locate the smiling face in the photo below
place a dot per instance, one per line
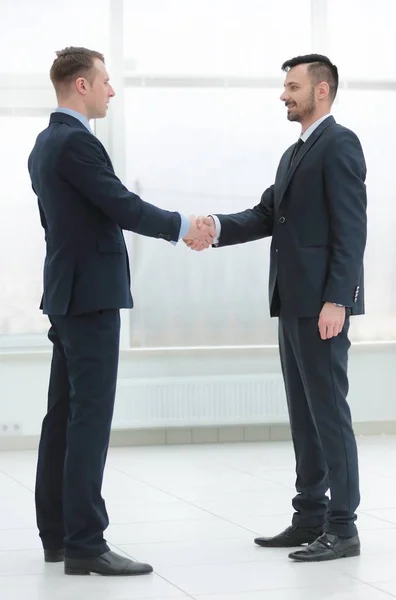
(300, 94)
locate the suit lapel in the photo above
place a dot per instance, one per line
(288, 171)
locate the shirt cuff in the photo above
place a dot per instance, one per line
(184, 227)
(218, 229)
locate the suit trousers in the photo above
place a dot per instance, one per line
(316, 383)
(71, 512)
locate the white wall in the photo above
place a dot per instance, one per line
(24, 377)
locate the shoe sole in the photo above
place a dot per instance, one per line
(53, 560)
(269, 545)
(349, 553)
(72, 571)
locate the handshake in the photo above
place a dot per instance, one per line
(201, 234)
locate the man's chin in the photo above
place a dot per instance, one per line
(293, 117)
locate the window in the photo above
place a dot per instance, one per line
(369, 115)
(202, 151)
(30, 33)
(29, 36)
(197, 150)
(361, 36)
(215, 37)
(22, 246)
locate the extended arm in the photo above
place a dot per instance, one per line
(85, 167)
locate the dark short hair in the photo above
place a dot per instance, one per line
(320, 69)
(73, 62)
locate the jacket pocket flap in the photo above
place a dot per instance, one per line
(110, 247)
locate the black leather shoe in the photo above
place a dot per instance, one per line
(328, 547)
(53, 556)
(108, 563)
(292, 536)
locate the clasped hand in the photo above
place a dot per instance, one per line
(201, 233)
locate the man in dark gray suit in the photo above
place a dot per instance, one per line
(83, 208)
(316, 215)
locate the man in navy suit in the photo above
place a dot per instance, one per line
(83, 209)
(316, 215)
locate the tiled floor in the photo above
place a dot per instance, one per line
(192, 512)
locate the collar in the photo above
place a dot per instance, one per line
(73, 113)
(312, 128)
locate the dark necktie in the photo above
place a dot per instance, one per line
(296, 149)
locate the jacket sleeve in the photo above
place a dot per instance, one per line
(345, 174)
(83, 165)
(249, 225)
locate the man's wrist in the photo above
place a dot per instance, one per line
(185, 224)
(217, 225)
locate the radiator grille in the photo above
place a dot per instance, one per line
(192, 401)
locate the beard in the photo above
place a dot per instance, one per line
(300, 112)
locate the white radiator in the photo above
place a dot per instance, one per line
(194, 401)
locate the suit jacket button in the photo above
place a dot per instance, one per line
(282, 220)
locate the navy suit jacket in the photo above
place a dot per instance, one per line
(83, 208)
(316, 215)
